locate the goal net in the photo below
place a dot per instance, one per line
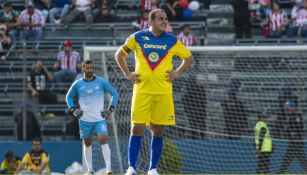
(217, 104)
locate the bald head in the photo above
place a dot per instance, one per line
(153, 14)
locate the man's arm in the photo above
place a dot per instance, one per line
(44, 163)
(70, 96)
(110, 89)
(20, 167)
(30, 87)
(173, 74)
(49, 76)
(120, 57)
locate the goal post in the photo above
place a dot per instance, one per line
(217, 104)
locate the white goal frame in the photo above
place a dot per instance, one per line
(219, 49)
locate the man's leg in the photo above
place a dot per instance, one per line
(135, 141)
(102, 135)
(86, 132)
(38, 33)
(87, 153)
(156, 145)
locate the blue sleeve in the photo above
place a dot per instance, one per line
(72, 92)
(111, 90)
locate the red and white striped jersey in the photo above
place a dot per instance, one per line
(144, 23)
(69, 61)
(186, 40)
(301, 15)
(36, 18)
(277, 19)
(149, 4)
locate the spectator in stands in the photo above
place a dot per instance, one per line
(58, 8)
(296, 6)
(235, 115)
(35, 161)
(263, 143)
(254, 7)
(5, 44)
(295, 128)
(173, 10)
(186, 36)
(265, 7)
(195, 106)
(37, 81)
(10, 18)
(33, 129)
(10, 163)
(148, 5)
(142, 23)
(241, 19)
(67, 65)
(81, 7)
(277, 20)
(285, 95)
(300, 23)
(32, 22)
(42, 5)
(104, 10)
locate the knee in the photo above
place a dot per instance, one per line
(103, 140)
(87, 143)
(157, 130)
(137, 130)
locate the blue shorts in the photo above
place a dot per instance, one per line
(87, 128)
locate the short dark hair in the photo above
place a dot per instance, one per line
(37, 139)
(152, 14)
(40, 59)
(186, 25)
(9, 154)
(87, 61)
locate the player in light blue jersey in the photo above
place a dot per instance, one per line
(92, 116)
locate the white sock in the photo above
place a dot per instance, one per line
(88, 157)
(106, 156)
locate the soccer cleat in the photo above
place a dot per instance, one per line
(130, 171)
(109, 172)
(153, 172)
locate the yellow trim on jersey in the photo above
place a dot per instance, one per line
(154, 81)
(123, 50)
(5, 166)
(31, 166)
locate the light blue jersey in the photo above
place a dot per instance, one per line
(91, 97)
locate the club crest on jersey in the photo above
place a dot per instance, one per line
(145, 38)
(153, 57)
(96, 86)
(89, 90)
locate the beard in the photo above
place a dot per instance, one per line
(89, 74)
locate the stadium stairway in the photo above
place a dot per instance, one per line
(220, 24)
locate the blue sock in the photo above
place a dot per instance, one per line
(156, 151)
(134, 149)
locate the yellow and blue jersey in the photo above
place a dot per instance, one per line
(153, 58)
(6, 168)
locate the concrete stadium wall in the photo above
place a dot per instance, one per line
(218, 156)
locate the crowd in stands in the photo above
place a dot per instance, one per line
(273, 17)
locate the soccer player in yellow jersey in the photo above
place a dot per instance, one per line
(152, 101)
(10, 163)
(35, 161)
